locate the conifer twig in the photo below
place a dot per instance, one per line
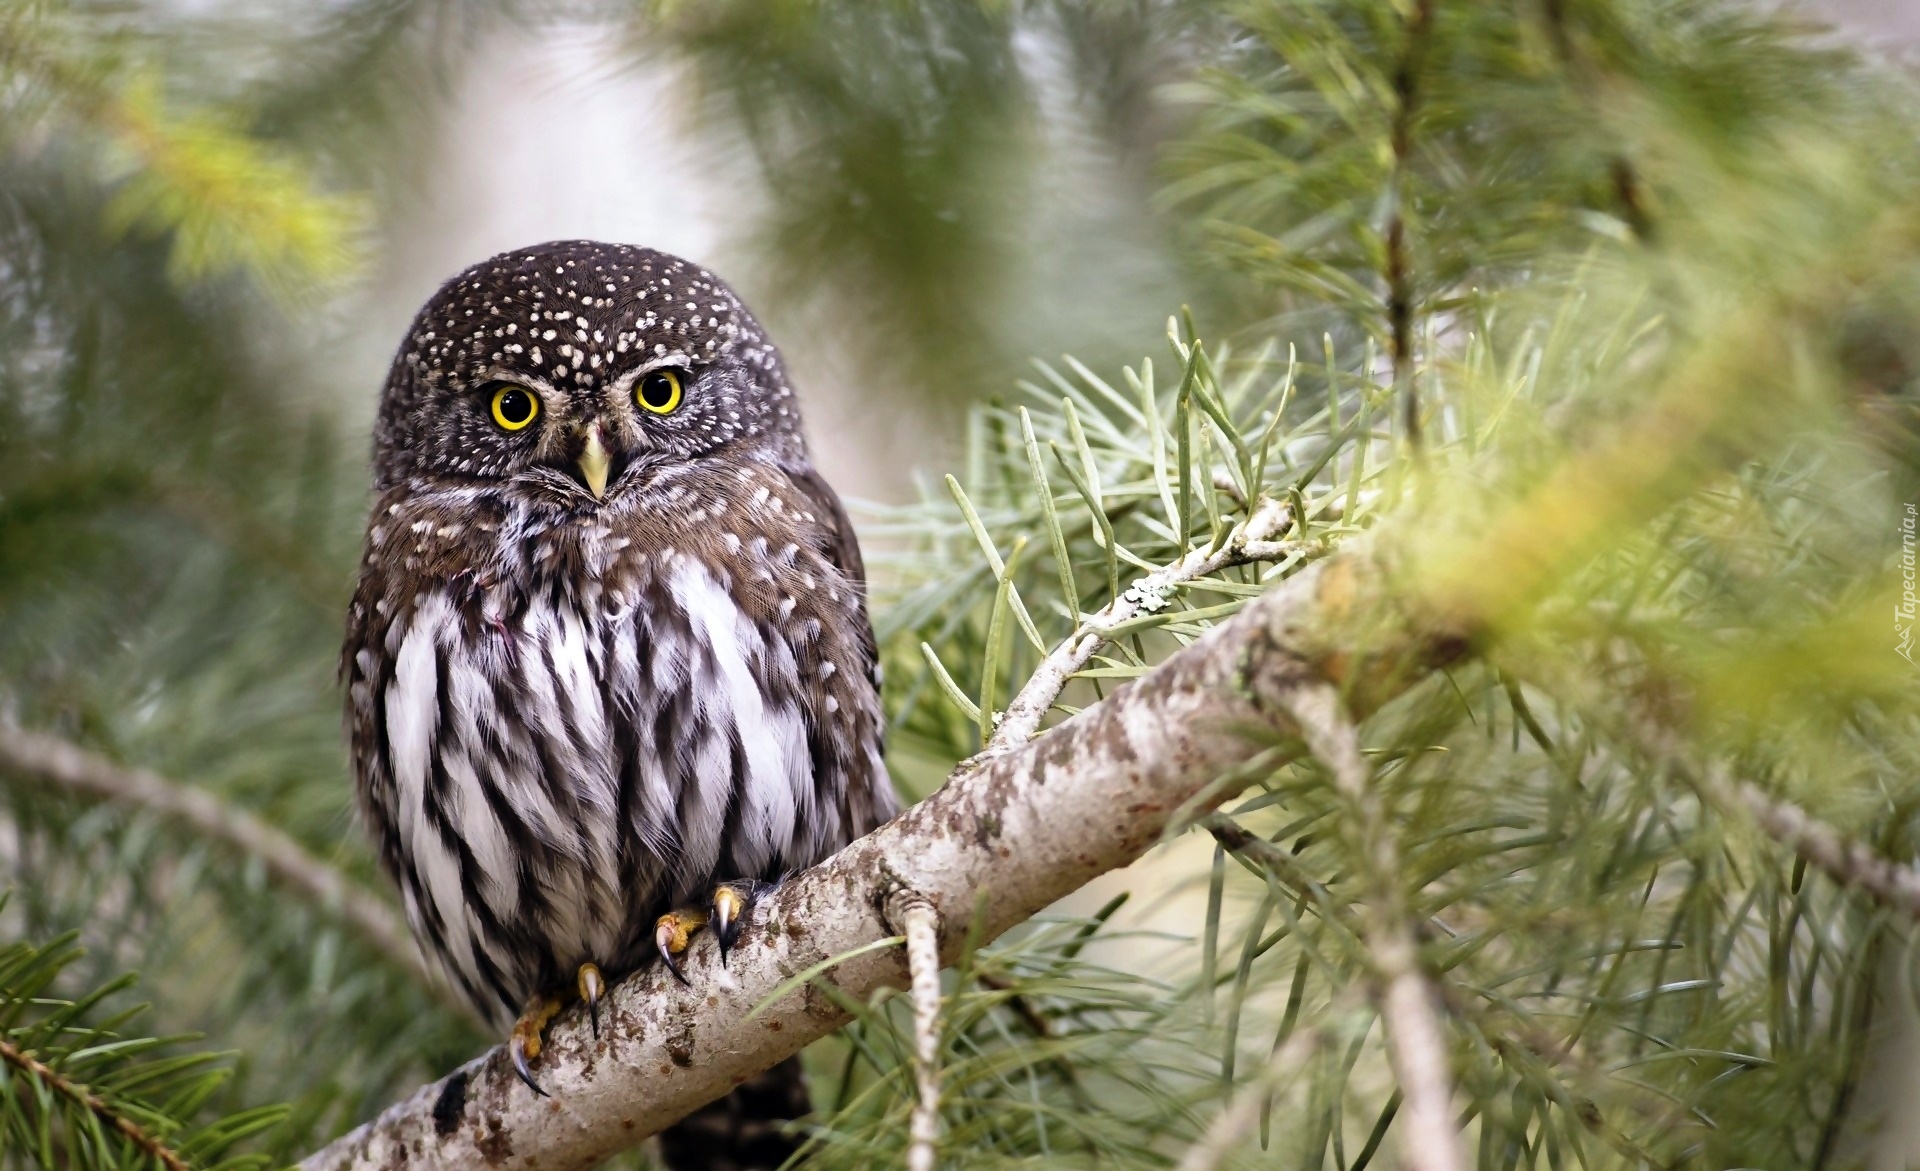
(1846, 860)
(1399, 276)
(99, 1107)
(62, 765)
(1253, 540)
(1409, 1001)
(914, 917)
(1237, 839)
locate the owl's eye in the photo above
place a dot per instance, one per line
(514, 407)
(659, 391)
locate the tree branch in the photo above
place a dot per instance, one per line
(1006, 837)
(60, 765)
(93, 1103)
(1418, 25)
(1409, 1001)
(1845, 860)
(1032, 820)
(1253, 540)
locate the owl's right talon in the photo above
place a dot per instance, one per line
(592, 987)
(671, 934)
(524, 1045)
(730, 905)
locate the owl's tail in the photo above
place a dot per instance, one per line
(743, 1131)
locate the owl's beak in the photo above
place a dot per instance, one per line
(595, 463)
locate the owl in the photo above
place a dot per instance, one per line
(608, 663)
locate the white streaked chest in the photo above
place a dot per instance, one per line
(563, 762)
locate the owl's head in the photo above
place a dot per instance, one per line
(572, 367)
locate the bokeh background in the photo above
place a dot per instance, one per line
(216, 220)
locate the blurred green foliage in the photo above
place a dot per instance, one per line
(1598, 315)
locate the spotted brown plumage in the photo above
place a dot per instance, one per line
(602, 659)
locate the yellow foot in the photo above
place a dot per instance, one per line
(728, 910)
(524, 1045)
(591, 988)
(671, 934)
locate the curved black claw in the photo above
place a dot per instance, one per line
(731, 904)
(518, 1049)
(726, 915)
(664, 937)
(591, 987)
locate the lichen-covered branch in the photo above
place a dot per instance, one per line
(1006, 837)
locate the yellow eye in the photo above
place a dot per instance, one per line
(514, 407)
(659, 391)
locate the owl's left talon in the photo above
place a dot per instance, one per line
(731, 903)
(591, 988)
(525, 1043)
(671, 934)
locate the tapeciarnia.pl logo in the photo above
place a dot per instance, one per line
(1905, 612)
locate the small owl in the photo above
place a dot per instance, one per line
(609, 668)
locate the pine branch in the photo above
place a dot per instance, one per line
(229, 201)
(1845, 860)
(99, 1107)
(1254, 540)
(78, 1087)
(1418, 25)
(67, 768)
(1005, 838)
(1408, 998)
(1013, 831)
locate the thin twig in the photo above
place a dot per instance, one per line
(1284, 864)
(914, 917)
(1035, 1022)
(67, 767)
(1409, 1001)
(1251, 541)
(99, 1107)
(1399, 274)
(1846, 860)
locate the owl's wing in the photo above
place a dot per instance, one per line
(870, 800)
(840, 546)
